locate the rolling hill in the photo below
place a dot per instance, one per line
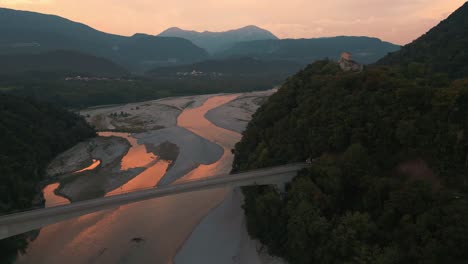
(219, 41)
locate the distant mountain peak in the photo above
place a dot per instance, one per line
(245, 28)
(251, 27)
(218, 41)
(174, 30)
(136, 35)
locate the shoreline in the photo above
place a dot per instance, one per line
(179, 248)
(240, 246)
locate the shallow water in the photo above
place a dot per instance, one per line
(160, 225)
(51, 199)
(137, 155)
(94, 165)
(195, 121)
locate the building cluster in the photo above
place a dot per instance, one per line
(347, 64)
(195, 73)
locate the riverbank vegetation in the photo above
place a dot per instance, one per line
(31, 134)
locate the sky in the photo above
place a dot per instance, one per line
(397, 21)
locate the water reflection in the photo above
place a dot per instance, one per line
(90, 167)
(137, 156)
(51, 199)
(147, 179)
(195, 121)
(164, 223)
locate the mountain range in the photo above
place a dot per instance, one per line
(215, 42)
(29, 32)
(364, 49)
(26, 32)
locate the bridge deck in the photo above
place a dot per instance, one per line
(18, 223)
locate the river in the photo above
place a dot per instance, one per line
(145, 232)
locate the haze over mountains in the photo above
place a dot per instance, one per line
(215, 42)
(26, 32)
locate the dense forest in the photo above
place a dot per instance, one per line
(388, 180)
(389, 170)
(53, 87)
(31, 134)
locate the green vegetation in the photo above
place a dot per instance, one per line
(228, 76)
(31, 134)
(79, 93)
(388, 182)
(442, 49)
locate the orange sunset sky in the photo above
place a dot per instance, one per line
(398, 21)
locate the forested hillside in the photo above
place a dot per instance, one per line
(84, 93)
(444, 49)
(31, 134)
(388, 179)
(388, 182)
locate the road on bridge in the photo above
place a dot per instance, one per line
(19, 223)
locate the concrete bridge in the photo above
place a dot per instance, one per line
(19, 223)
